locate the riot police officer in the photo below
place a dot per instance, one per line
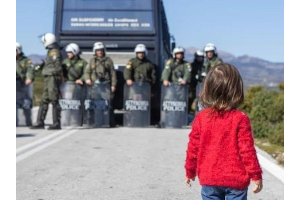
(24, 67)
(212, 58)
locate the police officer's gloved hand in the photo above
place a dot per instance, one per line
(36, 67)
(199, 78)
(88, 82)
(129, 82)
(39, 66)
(203, 75)
(179, 75)
(166, 83)
(181, 81)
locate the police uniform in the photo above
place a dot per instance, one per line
(73, 69)
(214, 61)
(176, 69)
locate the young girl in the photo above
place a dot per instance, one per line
(221, 148)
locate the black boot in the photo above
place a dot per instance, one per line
(56, 118)
(112, 121)
(27, 113)
(55, 126)
(40, 121)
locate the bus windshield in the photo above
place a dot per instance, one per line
(107, 15)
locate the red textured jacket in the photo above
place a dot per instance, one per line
(221, 150)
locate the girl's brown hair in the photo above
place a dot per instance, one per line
(223, 88)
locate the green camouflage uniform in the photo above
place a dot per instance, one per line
(101, 69)
(173, 68)
(140, 71)
(52, 72)
(197, 68)
(24, 68)
(209, 63)
(73, 69)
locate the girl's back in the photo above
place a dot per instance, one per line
(221, 147)
(220, 155)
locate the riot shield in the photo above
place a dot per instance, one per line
(198, 91)
(97, 105)
(137, 103)
(24, 97)
(70, 103)
(174, 106)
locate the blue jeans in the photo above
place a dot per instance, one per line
(219, 193)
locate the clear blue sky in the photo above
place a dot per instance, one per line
(255, 27)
